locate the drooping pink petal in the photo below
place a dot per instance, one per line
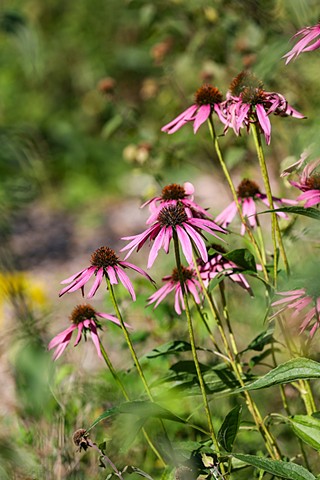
(156, 247)
(197, 240)
(264, 122)
(96, 283)
(95, 337)
(180, 120)
(201, 116)
(185, 243)
(73, 277)
(125, 281)
(112, 319)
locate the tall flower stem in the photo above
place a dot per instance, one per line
(193, 347)
(133, 352)
(126, 396)
(232, 353)
(276, 233)
(235, 196)
(205, 323)
(128, 339)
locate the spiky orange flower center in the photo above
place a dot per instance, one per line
(187, 274)
(172, 215)
(247, 188)
(104, 257)
(313, 182)
(173, 192)
(80, 313)
(208, 95)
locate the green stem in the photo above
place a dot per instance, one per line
(133, 354)
(211, 336)
(128, 339)
(237, 368)
(276, 233)
(193, 345)
(235, 196)
(126, 396)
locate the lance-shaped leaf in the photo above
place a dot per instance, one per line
(261, 340)
(295, 369)
(278, 468)
(229, 428)
(307, 428)
(307, 212)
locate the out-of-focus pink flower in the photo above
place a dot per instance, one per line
(309, 184)
(174, 218)
(84, 320)
(207, 101)
(308, 35)
(247, 102)
(217, 264)
(104, 263)
(298, 300)
(248, 195)
(173, 194)
(172, 284)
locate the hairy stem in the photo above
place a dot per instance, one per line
(276, 233)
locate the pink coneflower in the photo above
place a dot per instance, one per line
(173, 194)
(174, 218)
(84, 320)
(207, 100)
(217, 264)
(248, 195)
(309, 184)
(191, 285)
(247, 102)
(298, 300)
(104, 263)
(308, 35)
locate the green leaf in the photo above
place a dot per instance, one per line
(295, 369)
(242, 258)
(229, 428)
(307, 428)
(277, 467)
(142, 409)
(307, 212)
(259, 342)
(215, 281)
(170, 348)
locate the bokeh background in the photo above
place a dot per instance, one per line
(85, 87)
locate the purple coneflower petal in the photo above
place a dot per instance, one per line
(180, 120)
(96, 283)
(201, 116)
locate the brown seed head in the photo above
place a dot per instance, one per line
(172, 215)
(248, 84)
(80, 313)
(187, 274)
(104, 257)
(247, 188)
(313, 182)
(173, 192)
(208, 95)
